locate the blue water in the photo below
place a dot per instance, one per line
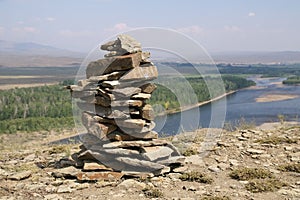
(239, 105)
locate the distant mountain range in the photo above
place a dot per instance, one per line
(280, 57)
(30, 48)
(33, 54)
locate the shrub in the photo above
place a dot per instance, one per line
(195, 176)
(250, 173)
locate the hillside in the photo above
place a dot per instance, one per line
(253, 163)
(14, 54)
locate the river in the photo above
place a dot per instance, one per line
(241, 104)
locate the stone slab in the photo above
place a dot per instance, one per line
(126, 92)
(147, 112)
(106, 77)
(138, 143)
(96, 176)
(109, 65)
(148, 88)
(143, 96)
(144, 72)
(95, 166)
(156, 152)
(124, 44)
(131, 123)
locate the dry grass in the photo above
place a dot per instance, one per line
(190, 151)
(153, 193)
(294, 167)
(245, 173)
(22, 167)
(276, 140)
(58, 149)
(264, 185)
(195, 176)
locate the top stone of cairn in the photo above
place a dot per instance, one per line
(123, 45)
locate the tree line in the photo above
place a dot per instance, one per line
(165, 96)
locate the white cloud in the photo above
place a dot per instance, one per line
(119, 27)
(2, 29)
(50, 19)
(38, 19)
(191, 29)
(30, 29)
(251, 14)
(27, 29)
(70, 33)
(232, 28)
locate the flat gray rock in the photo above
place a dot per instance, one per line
(138, 143)
(123, 45)
(113, 64)
(144, 72)
(95, 166)
(99, 110)
(127, 103)
(145, 129)
(147, 112)
(68, 172)
(143, 96)
(156, 152)
(104, 120)
(101, 130)
(110, 84)
(107, 77)
(144, 135)
(126, 92)
(110, 154)
(148, 88)
(180, 160)
(138, 165)
(131, 123)
(20, 175)
(117, 114)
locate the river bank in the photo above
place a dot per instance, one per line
(241, 105)
(186, 108)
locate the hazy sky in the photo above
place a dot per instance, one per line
(219, 25)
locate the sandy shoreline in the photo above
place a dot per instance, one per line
(275, 97)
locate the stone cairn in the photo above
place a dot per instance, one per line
(113, 100)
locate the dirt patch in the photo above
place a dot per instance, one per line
(18, 77)
(275, 97)
(11, 86)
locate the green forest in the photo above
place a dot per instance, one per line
(35, 109)
(50, 107)
(294, 80)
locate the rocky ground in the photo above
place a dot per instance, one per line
(243, 164)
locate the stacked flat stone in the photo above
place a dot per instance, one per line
(113, 98)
